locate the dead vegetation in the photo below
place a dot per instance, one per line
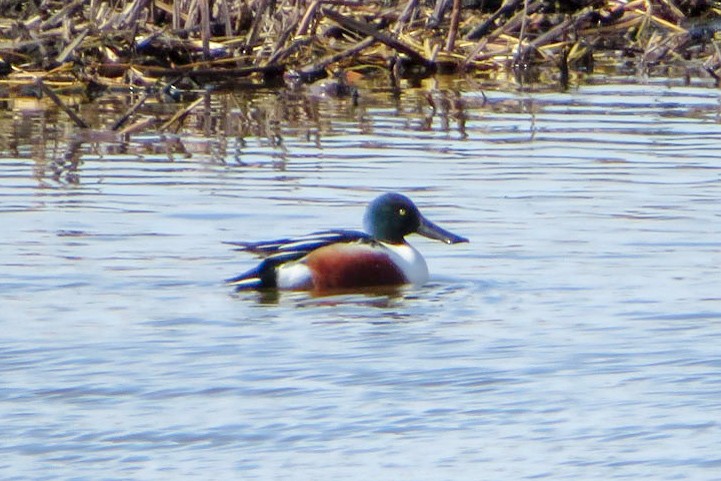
(100, 44)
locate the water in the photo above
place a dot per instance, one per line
(575, 337)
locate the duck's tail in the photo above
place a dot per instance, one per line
(260, 277)
(265, 274)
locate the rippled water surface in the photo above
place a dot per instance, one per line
(575, 337)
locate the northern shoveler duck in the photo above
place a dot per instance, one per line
(346, 259)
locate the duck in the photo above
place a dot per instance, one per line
(344, 260)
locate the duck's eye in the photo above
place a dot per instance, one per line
(402, 211)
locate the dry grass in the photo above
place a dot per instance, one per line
(93, 44)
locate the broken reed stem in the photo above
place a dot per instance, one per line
(181, 115)
(324, 62)
(61, 15)
(119, 123)
(53, 96)
(139, 126)
(255, 28)
(192, 14)
(366, 29)
(522, 34)
(278, 50)
(68, 51)
(205, 27)
(406, 15)
(453, 30)
(176, 16)
(506, 10)
(504, 29)
(307, 18)
(226, 18)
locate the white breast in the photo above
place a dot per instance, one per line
(410, 261)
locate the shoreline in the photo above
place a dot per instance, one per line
(143, 43)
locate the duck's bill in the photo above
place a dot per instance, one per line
(432, 231)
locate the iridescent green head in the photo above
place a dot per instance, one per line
(391, 217)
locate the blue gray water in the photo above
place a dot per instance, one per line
(576, 337)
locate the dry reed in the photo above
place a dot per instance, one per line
(143, 43)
